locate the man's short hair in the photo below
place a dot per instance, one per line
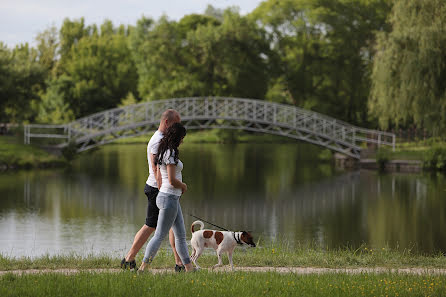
(169, 115)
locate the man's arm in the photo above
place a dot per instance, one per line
(156, 171)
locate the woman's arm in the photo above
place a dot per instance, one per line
(173, 180)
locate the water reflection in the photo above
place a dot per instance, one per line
(281, 192)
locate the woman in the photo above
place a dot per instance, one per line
(168, 199)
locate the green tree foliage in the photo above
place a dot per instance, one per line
(98, 65)
(47, 47)
(409, 74)
(21, 80)
(324, 52)
(200, 56)
(316, 54)
(71, 32)
(232, 58)
(163, 67)
(53, 108)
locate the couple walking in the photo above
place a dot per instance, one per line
(163, 189)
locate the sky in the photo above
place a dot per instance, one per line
(22, 20)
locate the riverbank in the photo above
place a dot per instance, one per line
(407, 157)
(15, 155)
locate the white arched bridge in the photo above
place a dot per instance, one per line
(214, 112)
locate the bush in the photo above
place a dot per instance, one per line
(382, 157)
(435, 158)
(70, 151)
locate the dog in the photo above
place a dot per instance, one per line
(220, 241)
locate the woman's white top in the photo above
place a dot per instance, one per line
(152, 148)
(166, 187)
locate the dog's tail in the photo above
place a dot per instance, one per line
(195, 223)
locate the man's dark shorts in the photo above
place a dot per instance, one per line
(152, 209)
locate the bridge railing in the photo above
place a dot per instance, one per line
(215, 108)
(62, 132)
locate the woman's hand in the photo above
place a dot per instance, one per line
(183, 188)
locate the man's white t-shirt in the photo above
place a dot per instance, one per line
(152, 148)
(166, 187)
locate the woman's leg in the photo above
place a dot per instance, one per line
(168, 211)
(180, 236)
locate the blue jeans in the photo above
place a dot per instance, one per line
(170, 216)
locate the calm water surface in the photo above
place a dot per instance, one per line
(279, 191)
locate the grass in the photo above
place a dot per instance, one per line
(205, 283)
(411, 150)
(208, 283)
(15, 154)
(276, 256)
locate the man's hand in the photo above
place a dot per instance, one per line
(183, 188)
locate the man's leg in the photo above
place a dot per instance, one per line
(140, 238)
(147, 229)
(172, 244)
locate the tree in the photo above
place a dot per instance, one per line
(99, 67)
(200, 56)
(323, 52)
(53, 107)
(70, 34)
(409, 72)
(47, 47)
(232, 58)
(21, 81)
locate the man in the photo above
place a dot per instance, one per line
(152, 186)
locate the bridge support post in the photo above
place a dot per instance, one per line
(25, 128)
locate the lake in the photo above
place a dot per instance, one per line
(280, 192)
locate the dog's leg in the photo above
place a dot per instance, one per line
(220, 262)
(230, 259)
(192, 256)
(198, 252)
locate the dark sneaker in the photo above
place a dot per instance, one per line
(124, 264)
(179, 268)
(128, 265)
(132, 265)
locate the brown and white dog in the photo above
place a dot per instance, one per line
(221, 241)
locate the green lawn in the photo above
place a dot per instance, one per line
(15, 154)
(204, 283)
(411, 150)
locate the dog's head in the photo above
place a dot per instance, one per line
(247, 238)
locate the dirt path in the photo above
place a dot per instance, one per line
(296, 270)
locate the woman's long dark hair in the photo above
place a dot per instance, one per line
(171, 141)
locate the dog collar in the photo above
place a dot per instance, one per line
(237, 240)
